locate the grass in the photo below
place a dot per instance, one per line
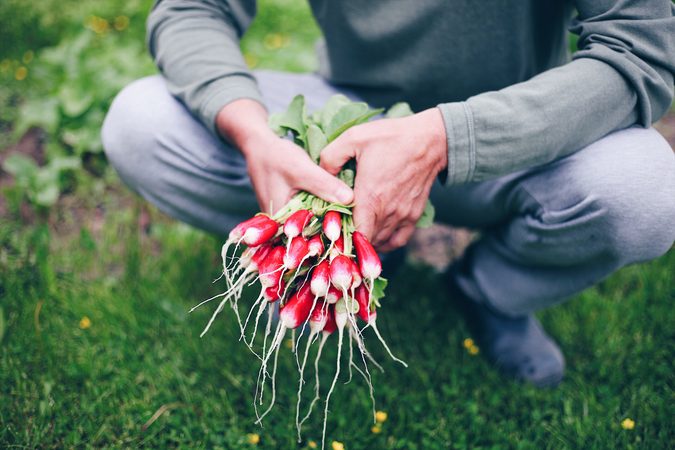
(96, 342)
(64, 384)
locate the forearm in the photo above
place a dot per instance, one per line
(622, 75)
(195, 43)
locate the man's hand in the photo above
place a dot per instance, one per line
(278, 168)
(397, 162)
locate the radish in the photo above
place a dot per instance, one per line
(315, 246)
(333, 295)
(332, 225)
(341, 272)
(320, 283)
(298, 250)
(297, 222)
(369, 262)
(261, 232)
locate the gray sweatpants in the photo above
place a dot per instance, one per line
(547, 233)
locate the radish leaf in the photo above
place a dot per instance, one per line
(401, 109)
(316, 141)
(427, 218)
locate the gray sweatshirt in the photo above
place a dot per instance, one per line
(498, 70)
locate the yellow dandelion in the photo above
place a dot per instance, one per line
(28, 57)
(253, 438)
(468, 343)
(289, 343)
(85, 322)
(375, 429)
(273, 41)
(628, 424)
(121, 23)
(311, 444)
(473, 350)
(381, 416)
(21, 73)
(337, 445)
(251, 60)
(99, 25)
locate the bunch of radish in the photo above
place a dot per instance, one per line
(311, 264)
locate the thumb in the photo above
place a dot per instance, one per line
(335, 155)
(324, 185)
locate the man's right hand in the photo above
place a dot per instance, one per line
(278, 168)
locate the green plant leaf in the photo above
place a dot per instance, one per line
(330, 109)
(20, 166)
(348, 116)
(379, 286)
(294, 118)
(316, 141)
(401, 109)
(347, 176)
(427, 218)
(74, 102)
(42, 113)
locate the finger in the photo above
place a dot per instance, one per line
(317, 181)
(336, 154)
(400, 237)
(364, 219)
(385, 228)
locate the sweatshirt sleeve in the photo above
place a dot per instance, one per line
(195, 44)
(622, 75)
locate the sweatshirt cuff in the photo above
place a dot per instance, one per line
(459, 130)
(222, 91)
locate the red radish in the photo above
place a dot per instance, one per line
(297, 222)
(320, 283)
(363, 299)
(332, 225)
(330, 326)
(333, 295)
(271, 267)
(356, 275)
(271, 293)
(238, 231)
(338, 248)
(369, 262)
(297, 252)
(260, 233)
(315, 246)
(341, 272)
(297, 308)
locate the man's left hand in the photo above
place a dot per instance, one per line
(397, 162)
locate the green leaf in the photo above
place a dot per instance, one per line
(42, 113)
(330, 109)
(348, 116)
(47, 196)
(294, 117)
(347, 176)
(427, 218)
(379, 286)
(275, 124)
(316, 141)
(401, 109)
(74, 102)
(20, 166)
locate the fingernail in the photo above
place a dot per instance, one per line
(344, 195)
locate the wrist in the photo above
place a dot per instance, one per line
(436, 138)
(244, 124)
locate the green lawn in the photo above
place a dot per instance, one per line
(95, 339)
